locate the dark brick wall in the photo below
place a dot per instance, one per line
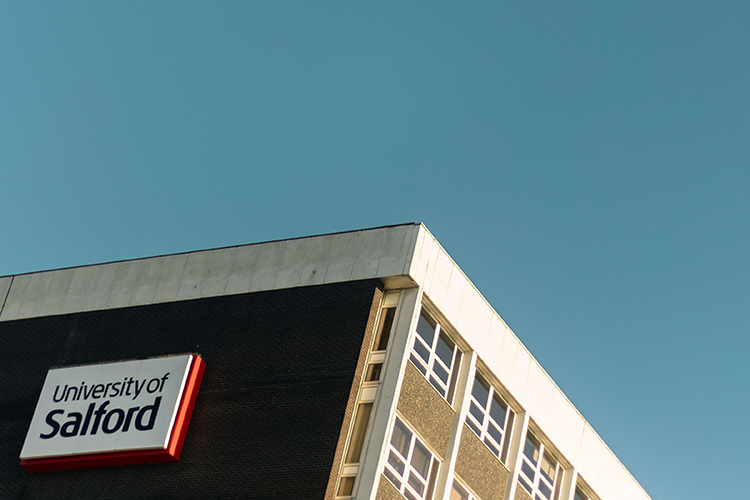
(279, 372)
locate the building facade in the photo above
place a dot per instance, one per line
(360, 365)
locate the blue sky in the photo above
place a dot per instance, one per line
(587, 164)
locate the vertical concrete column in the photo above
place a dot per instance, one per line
(374, 452)
(461, 401)
(570, 478)
(516, 452)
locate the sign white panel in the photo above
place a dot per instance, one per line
(107, 408)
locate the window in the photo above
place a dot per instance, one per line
(490, 418)
(411, 467)
(366, 399)
(384, 329)
(435, 355)
(459, 492)
(357, 439)
(540, 473)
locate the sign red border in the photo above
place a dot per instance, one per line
(170, 454)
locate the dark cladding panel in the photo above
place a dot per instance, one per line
(279, 369)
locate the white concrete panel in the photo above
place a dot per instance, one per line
(15, 297)
(218, 276)
(78, 292)
(615, 480)
(474, 319)
(98, 294)
(264, 274)
(57, 291)
(147, 278)
(493, 347)
(242, 269)
(632, 490)
(344, 248)
(437, 290)
(457, 287)
(539, 394)
(171, 278)
(4, 289)
(197, 268)
(369, 254)
(416, 267)
(122, 288)
(517, 383)
(397, 250)
(590, 463)
(430, 252)
(316, 261)
(606, 486)
(35, 294)
(291, 262)
(507, 358)
(566, 426)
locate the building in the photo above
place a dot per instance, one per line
(358, 365)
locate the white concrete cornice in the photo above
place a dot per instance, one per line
(383, 253)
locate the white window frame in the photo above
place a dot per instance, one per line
(401, 480)
(583, 491)
(367, 394)
(483, 429)
(434, 364)
(532, 478)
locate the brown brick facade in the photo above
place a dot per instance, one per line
(353, 392)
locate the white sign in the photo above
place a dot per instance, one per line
(113, 407)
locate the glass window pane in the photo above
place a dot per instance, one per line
(373, 372)
(545, 490)
(416, 483)
(426, 328)
(525, 484)
(444, 350)
(440, 371)
(420, 459)
(476, 412)
(384, 330)
(392, 477)
(527, 469)
(491, 446)
(401, 438)
(458, 493)
(495, 433)
(473, 427)
(531, 450)
(419, 364)
(437, 386)
(420, 348)
(358, 433)
(480, 391)
(497, 411)
(346, 486)
(396, 463)
(409, 495)
(548, 467)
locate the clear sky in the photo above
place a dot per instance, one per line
(586, 163)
